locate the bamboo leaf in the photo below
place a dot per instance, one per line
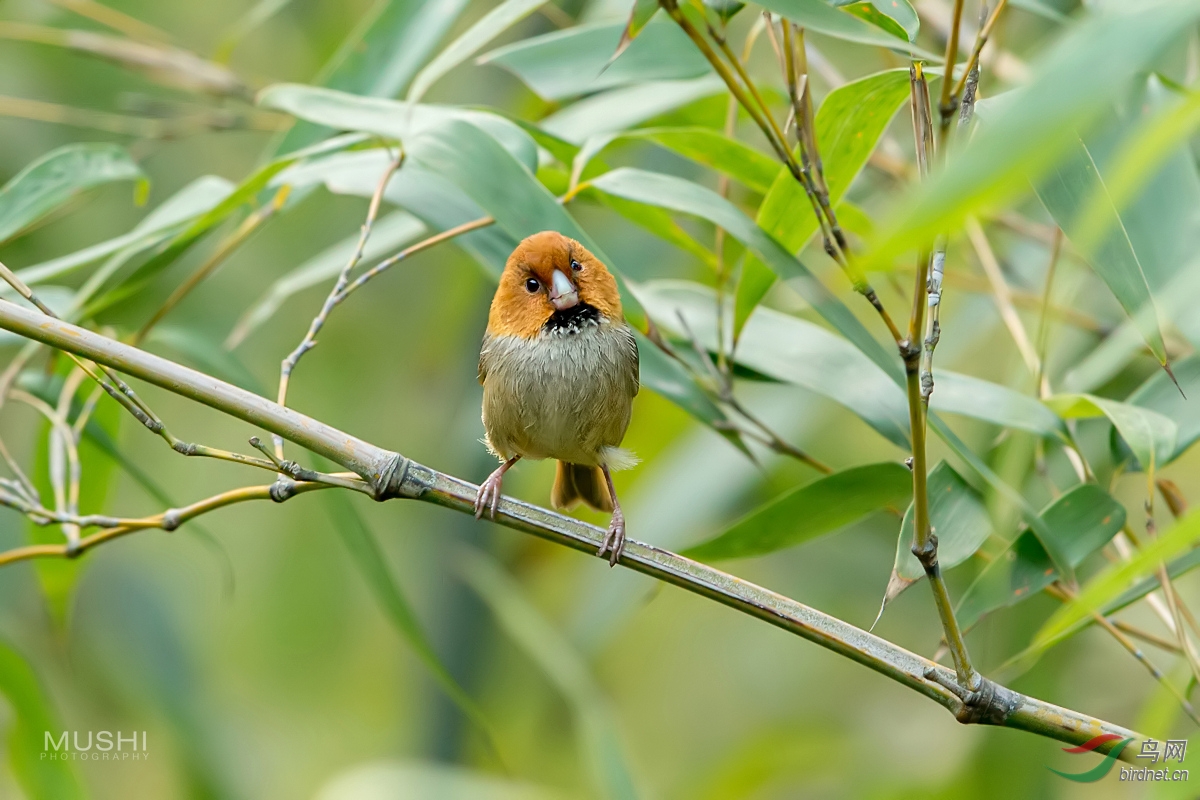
(389, 118)
(640, 14)
(896, 17)
(849, 124)
(957, 517)
(491, 25)
(1160, 394)
(661, 52)
(624, 107)
(1066, 191)
(1150, 435)
(806, 512)
(1082, 521)
(817, 16)
(380, 55)
(33, 719)
(705, 146)
(56, 177)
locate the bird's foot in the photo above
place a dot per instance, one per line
(614, 540)
(488, 497)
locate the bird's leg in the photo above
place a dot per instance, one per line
(489, 491)
(614, 541)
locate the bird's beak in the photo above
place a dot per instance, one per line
(563, 293)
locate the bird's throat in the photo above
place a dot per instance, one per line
(572, 320)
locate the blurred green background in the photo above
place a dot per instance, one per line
(261, 661)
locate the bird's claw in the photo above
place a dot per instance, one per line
(488, 496)
(614, 540)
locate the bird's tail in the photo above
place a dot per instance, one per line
(575, 482)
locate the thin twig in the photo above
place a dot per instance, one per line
(310, 338)
(981, 39)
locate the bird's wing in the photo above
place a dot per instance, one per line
(483, 358)
(629, 359)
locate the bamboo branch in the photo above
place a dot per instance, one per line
(391, 475)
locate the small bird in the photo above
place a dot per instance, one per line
(559, 368)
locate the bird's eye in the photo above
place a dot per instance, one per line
(575, 265)
(532, 285)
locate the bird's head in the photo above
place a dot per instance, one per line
(548, 280)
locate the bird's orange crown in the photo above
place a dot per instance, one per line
(548, 273)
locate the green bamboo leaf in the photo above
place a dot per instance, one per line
(661, 52)
(958, 519)
(705, 146)
(817, 16)
(428, 780)
(640, 14)
(1082, 521)
(1107, 586)
(1065, 191)
(379, 56)
(896, 17)
(1160, 394)
(491, 25)
(660, 223)
(1040, 8)
(389, 118)
(625, 107)
(849, 124)
(1150, 435)
(599, 740)
(56, 177)
(33, 718)
(167, 219)
(804, 513)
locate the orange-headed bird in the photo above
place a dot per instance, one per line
(559, 369)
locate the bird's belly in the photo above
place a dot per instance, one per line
(556, 396)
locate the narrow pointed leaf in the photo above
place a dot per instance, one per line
(661, 52)
(1066, 191)
(809, 511)
(1150, 435)
(491, 25)
(1177, 402)
(1082, 521)
(818, 16)
(639, 15)
(957, 517)
(56, 177)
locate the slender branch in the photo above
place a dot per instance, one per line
(310, 337)
(947, 105)
(168, 520)
(981, 39)
(391, 475)
(924, 540)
